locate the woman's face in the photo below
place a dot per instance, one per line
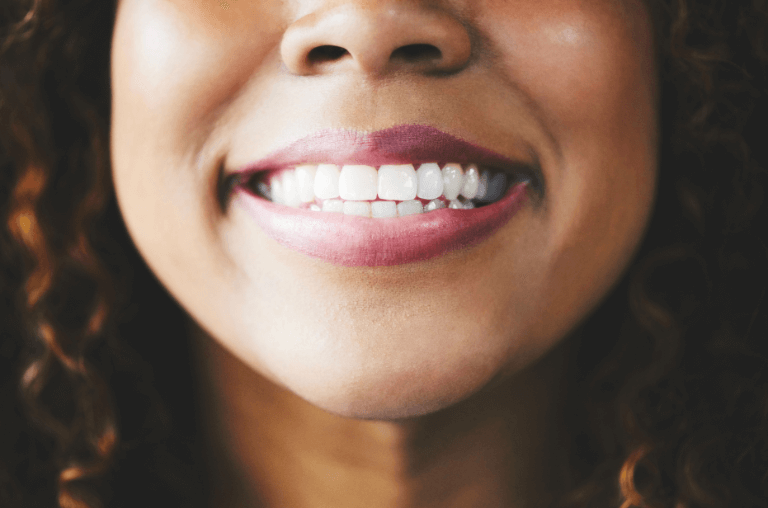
(203, 89)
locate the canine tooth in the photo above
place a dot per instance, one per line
(358, 183)
(411, 207)
(277, 190)
(397, 182)
(383, 209)
(455, 204)
(333, 205)
(482, 185)
(359, 208)
(453, 179)
(433, 205)
(471, 180)
(327, 181)
(430, 181)
(305, 183)
(290, 190)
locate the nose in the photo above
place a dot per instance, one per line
(376, 38)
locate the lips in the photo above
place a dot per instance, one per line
(406, 144)
(360, 241)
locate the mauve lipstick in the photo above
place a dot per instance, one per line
(358, 241)
(404, 144)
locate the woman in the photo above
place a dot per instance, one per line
(556, 295)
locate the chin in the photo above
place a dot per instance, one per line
(375, 391)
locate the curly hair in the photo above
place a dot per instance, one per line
(669, 385)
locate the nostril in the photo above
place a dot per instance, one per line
(415, 53)
(392, 38)
(326, 53)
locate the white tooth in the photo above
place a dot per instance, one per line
(433, 205)
(333, 205)
(305, 183)
(471, 181)
(359, 208)
(327, 181)
(455, 204)
(383, 209)
(482, 185)
(410, 208)
(290, 190)
(277, 190)
(469, 205)
(358, 183)
(315, 208)
(453, 180)
(430, 181)
(397, 183)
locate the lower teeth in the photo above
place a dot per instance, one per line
(401, 208)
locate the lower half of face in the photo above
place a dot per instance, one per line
(359, 318)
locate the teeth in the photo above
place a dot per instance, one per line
(290, 189)
(471, 181)
(397, 183)
(358, 183)
(482, 185)
(401, 189)
(409, 208)
(305, 183)
(277, 191)
(430, 181)
(333, 205)
(433, 205)
(453, 181)
(383, 209)
(327, 181)
(359, 208)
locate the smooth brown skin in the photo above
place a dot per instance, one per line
(428, 384)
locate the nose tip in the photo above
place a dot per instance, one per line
(376, 39)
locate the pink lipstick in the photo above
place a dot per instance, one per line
(361, 241)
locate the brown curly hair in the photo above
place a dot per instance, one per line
(670, 383)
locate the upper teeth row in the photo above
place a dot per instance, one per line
(306, 183)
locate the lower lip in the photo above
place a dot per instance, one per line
(358, 241)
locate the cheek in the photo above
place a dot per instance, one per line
(175, 66)
(590, 70)
(586, 65)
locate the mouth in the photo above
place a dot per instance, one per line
(405, 194)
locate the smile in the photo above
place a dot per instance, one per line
(397, 196)
(386, 192)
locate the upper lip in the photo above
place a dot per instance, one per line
(404, 144)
